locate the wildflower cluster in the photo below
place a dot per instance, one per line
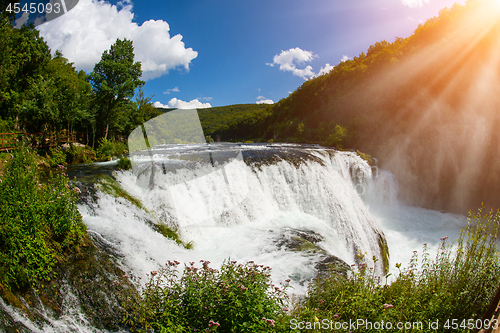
(235, 298)
(427, 290)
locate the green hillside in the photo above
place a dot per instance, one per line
(232, 122)
(427, 106)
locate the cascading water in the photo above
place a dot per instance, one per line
(244, 211)
(295, 208)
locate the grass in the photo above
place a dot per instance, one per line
(110, 186)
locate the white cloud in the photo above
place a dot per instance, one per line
(175, 103)
(325, 69)
(90, 28)
(159, 105)
(265, 101)
(204, 98)
(345, 58)
(168, 91)
(414, 3)
(290, 59)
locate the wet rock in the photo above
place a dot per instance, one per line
(307, 242)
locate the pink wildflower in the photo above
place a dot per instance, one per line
(444, 238)
(387, 306)
(270, 322)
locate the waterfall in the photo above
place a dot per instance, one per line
(243, 210)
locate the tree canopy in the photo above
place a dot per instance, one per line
(115, 79)
(44, 93)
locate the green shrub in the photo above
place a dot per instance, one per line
(7, 126)
(79, 154)
(108, 149)
(236, 298)
(38, 222)
(124, 163)
(57, 156)
(458, 284)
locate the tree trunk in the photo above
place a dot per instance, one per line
(107, 119)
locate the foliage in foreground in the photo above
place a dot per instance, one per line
(108, 149)
(38, 221)
(444, 294)
(236, 298)
(458, 284)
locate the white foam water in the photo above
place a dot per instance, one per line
(242, 212)
(407, 228)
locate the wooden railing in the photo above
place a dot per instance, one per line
(8, 140)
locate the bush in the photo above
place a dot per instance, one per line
(124, 164)
(236, 298)
(458, 284)
(108, 149)
(80, 154)
(57, 156)
(38, 222)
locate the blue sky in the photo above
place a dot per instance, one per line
(200, 53)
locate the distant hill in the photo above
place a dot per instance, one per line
(232, 122)
(427, 106)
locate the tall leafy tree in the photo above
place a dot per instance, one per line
(114, 80)
(24, 56)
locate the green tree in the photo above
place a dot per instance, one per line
(337, 137)
(72, 95)
(114, 79)
(24, 56)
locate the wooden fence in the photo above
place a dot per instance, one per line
(8, 140)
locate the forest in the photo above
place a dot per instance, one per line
(231, 122)
(44, 94)
(425, 106)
